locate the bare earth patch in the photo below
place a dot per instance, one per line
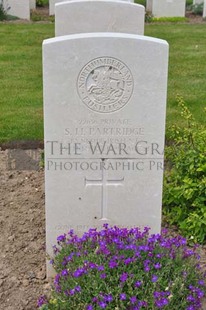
(22, 242)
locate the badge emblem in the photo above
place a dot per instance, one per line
(105, 85)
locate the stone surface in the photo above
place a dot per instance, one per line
(53, 2)
(204, 9)
(32, 4)
(149, 5)
(168, 8)
(20, 8)
(104, 116)
(98, 16)
(198, 1)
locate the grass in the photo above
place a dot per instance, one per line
(187, 67)
(21, 115)
(21, 111)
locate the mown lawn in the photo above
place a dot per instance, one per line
(187, 66)
(21, 108)
(21, 115)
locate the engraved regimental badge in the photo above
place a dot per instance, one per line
(105, 85)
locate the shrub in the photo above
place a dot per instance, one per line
(197, 9)
(3, 11)
(169, 19)
(42, 3)
(184, 197)
(120, 268)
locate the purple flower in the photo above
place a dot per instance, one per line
(77, 288)
(61, 238)
(112, 264)
(64, 273)
(157, 266)
(123, 296)
(103, 275)
(161, 302)
(102, 304)
(72, 292)
(142, 303)
(147, 269)
(191, 308)
(128, 261)
(89, 307)
(133, 299)
(78, 273)
(123, 277)
(42, 301)
(154, 278)
(190, 298)
(138, 284)
(201, 282)
(108, 298)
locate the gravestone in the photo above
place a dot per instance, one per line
(168, 8)
(149, 5)
(98, 16)
(198, 1)
(104, 120)
(32, 4)
(204, 9)
(52, 4)
(20, 8)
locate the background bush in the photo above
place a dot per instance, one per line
(3, 12)
(42, 3)
(184, 196)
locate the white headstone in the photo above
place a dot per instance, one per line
(149, 5)
(104, 118)
(32, 4)
(52, 4)
(168, 8)
(20, 8)
(198, 1)
(82, 16)
(204, 9)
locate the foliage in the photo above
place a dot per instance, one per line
(37, 16)
(168, 19)
(189, 2)
(148, 17)
(185, 183)
(3, 11)
(142, 2)
(42, 2)
(120, 268)
(197, 9)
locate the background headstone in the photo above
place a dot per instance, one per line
(32, 4)
(198, 1)
(98, 16)
(168, 8)
(53, 2)
(204, 9)
(104, 118)
(20, 8)
(149, 5)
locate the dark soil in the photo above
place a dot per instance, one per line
(22, 242)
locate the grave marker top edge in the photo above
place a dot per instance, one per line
(104, 35)
(92, 1)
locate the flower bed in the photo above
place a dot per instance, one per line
(120, 268)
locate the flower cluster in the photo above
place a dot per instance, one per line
(120, 268)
